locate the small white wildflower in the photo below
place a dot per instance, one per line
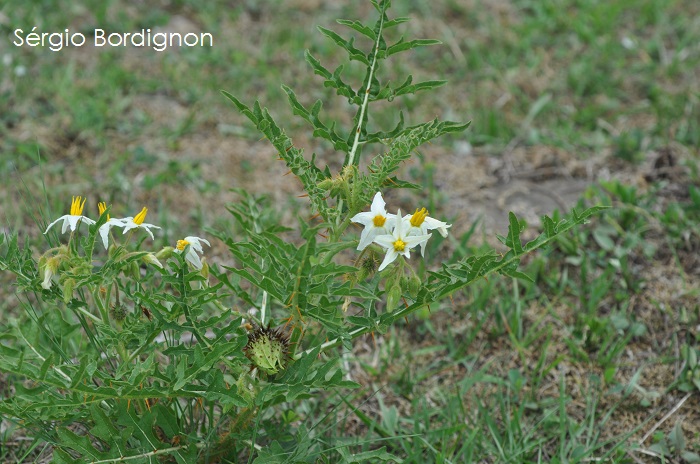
(73, 219)
(50, 269)
(419, 224)
(130, 223)
(398, 243)
(376, 221)
(194, 250)
(111, 222)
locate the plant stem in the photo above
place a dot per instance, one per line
(365, 102)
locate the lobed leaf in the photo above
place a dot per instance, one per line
(347, 45)
(359, 27)
(402, 45)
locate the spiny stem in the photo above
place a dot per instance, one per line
(365, 102)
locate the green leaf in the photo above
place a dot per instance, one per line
(690, 457)
(514, 230)
(320, 129)
(347, 45)
(306, 171)
(389, 93)
(333, 79)
(401, 148)
(548, 226)
(402, 45)
(676, 437)
(379, 455)
(359, 27)
(81, 444)
(395, 22)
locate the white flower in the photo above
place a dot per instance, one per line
(377, 221)
(194, 247)
(50, 269)
(111, 222)
(419, 224)
(137, 223)
(398, 243)
(74, 218)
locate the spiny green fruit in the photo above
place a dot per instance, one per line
(368, 267)
(118, 312)
(268, 349)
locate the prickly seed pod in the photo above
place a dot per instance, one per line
(118, 312)
(268, 349)
(368, 267)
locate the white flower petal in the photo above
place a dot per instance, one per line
(386, 241)
(195, 246)
(414, 240)
(378, 204)
(46, 284)
(104, 229)
(391, 255)
(193, 259)
(365, 218)
(54, 222)
(367, 236)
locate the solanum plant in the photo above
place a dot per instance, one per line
(132, 354)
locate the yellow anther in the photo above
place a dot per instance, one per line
(76, 206)
(141, 216)
(399, 245)
(182, 244)
(102, 207)
(418, 217)
(379, 220)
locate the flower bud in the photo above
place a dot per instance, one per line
(393, 298)
(349, 171)
(134, 271)
(205, 268)
(414, 285)
(68, 287)
(325, 184)
(49, 270)
(165, 253)
(150, 258)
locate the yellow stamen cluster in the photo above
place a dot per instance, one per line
(399, 245)
(182, 244)
(379, 220)
(141, 216)
(102, 207)
(76, 206)
(418, 217)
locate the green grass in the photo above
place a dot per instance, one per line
(574, 367)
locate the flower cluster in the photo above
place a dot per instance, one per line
(397, 234)
(191, 245)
